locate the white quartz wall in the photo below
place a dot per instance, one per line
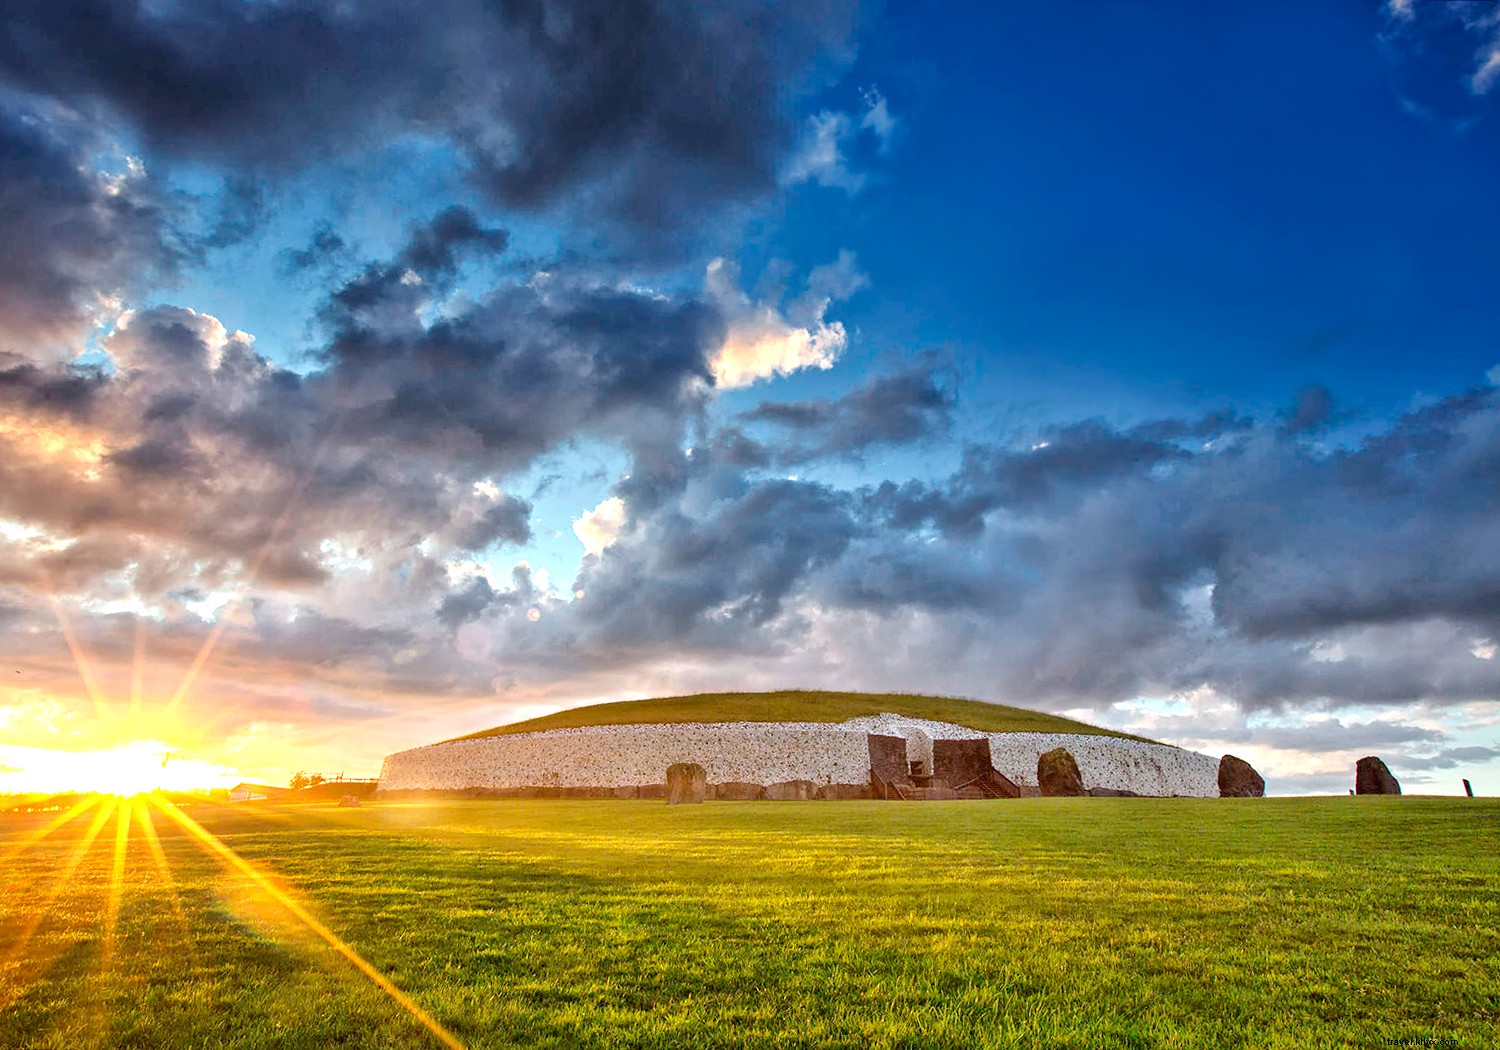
(771, 752)
(609, 756)
(1110, 762)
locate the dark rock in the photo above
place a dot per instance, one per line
(735, 791)
(1371, 777)
(686, 782)
(1111, 793)
(1238, 779)
(961, 761)
(888, 759)
(349, 802)
(846, 791)
(791, 791)
(1057, 774)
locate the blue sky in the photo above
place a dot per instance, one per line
(1130, 360)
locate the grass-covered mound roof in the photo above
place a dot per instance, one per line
(802, 705)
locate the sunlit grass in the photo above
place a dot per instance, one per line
(1044, 922)
(803, 705)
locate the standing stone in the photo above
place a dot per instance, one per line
(1238, 779)
(686, 782)
(1057, 774)
(1371, 777)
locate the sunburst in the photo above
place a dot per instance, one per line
(125, 782)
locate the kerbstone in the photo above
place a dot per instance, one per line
(1238, 779)
(1057, 774)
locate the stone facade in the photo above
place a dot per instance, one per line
(568, 762)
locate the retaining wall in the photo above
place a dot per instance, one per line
(770, 753)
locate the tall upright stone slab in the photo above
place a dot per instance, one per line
(1057, 774)
(687, 782)
(1238, 779)
(1371, 777)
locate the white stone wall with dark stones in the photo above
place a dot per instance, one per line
(773, 752)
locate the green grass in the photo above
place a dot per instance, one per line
(1115, 923)
(802, 705)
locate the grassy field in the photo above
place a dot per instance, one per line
(803, 705)
(1367, 922)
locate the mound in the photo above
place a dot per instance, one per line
(802, 705)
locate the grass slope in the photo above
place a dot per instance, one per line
(802, 705)
(1098, 923)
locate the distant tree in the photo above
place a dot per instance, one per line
(315, 779)
(300, 780)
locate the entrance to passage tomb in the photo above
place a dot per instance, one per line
(914, 767)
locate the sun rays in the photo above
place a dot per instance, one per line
(25, 960)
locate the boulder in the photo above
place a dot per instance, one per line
(1057, 774)
(846, 791)
(1111, 793)
(686, 782)
(736, 791)
(1238, 779)
(1371, 777)
(349, 802)
(791, 791)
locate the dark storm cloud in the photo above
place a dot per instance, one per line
(434, 248)
(651, 109)
(467, 604)
(397, 439)
(325, 247)
(886, 410)
(525, 369)
(1086, 564)
(712, 578)
(1451, 758)
(69, 237)
(1312, 411)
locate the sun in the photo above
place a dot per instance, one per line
(133, 767)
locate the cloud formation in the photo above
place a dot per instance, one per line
(73, 239)
(648, 111)
(763, 339)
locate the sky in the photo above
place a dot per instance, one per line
(374, 373)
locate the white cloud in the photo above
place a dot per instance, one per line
(600, 527)
(822, 155)
(1484, 649)
(1493, 375)
(763, 340)
(878, 119)
(1479, 19)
